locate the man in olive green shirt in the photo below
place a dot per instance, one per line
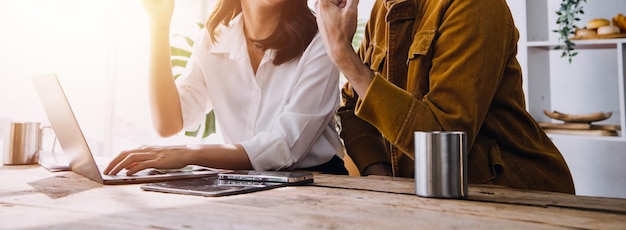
(439, 65)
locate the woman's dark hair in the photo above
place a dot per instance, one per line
(292, 36)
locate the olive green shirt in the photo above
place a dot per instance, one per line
(449, 65)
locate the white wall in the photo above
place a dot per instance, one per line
(54, 36)
(98, 50)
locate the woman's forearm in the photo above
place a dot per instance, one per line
(219, 156)
(163, 94)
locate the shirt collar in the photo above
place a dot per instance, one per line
(400, 9)
(233, 41)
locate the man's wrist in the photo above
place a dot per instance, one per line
(343, 55)
(383, 169)
(358, 74)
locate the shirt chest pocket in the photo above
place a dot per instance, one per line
(419, 63)
(375, 58)
(422, 43)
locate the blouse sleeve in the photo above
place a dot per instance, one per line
(192, 89)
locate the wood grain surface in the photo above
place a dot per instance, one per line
(33, 198)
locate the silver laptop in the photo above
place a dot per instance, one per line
(75, 146)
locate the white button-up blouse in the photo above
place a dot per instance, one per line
(283, 117)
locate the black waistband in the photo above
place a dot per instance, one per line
(333, 166)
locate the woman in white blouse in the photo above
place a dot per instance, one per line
(263, 69)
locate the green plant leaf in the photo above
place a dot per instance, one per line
(175, 51)
(192, 133)
(359, 34)
(179, 63)
(208, 129)
(209, 124)
(567, 15)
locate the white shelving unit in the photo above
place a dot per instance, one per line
(540, 84)
(593, 82)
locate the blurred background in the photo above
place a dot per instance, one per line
(98, 49)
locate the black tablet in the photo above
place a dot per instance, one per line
(209, 186)
(231, 183)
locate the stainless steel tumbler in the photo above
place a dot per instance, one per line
(22, 142)
(441, 164)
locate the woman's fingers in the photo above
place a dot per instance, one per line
(138, 166)
(122, 155)
(135, 161)
(115, 162)
(147, 157)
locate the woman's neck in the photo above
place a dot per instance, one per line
(260, 20)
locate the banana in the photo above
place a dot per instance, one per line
(620, 21)
(578, 118)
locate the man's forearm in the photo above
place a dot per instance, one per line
(352, 67)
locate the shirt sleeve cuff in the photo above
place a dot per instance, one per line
(267, 152)
(367, 144)
(382, 95)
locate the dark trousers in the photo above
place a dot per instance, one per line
(333, 166)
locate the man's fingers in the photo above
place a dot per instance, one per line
(353, 4)
(325, 4)
(341, 4)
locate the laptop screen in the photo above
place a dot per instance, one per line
(65, 126)
(75, 146)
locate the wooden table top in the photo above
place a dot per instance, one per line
(33, 198)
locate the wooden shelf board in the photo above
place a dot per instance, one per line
(580, 44)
